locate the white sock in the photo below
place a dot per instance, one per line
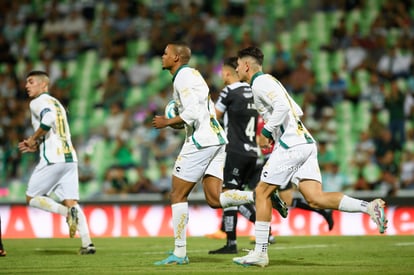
(48, 204)
(83, 229)
(235, 198)
(180, 220)
(348, 204)
(262, 236)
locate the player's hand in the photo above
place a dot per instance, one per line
(27, 146)
(265, 142)
(159, 122)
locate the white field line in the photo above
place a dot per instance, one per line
(272, 247)
(404, 244)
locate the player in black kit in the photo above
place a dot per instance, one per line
(236, 107)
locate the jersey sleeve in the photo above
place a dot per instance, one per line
(222, 101)
(184, 85)
(42, 110)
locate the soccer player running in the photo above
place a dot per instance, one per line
(235, 105)
(293, 159)
(202, 155)
(57, 170)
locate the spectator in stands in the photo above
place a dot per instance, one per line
(367, 174)
(140, 72)
(165, 146)
(353, 93)
(142, 21)
(144, 135)
(87, 172)
(117, 122)
(115, 85)
(143, 184)
(115, 181)
(337, 88)
(355, 56)
(281, 61)
(374, 92)
(394, 102)
(389, 181)
(407, 170)
(5, 50)
(385, 143)
(300, 77)
(52, 33)
(409, 100)
(63, 86)
(121, 30)
(365, 146)
(326, 154)
(163, 182)
(11, 153)
(333, 180)
(339, 37)
(393, 64)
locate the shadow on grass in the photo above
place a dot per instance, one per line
(56, 251)
(297, 262)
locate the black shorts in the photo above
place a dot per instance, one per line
(239, 171)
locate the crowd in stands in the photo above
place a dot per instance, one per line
(360, 107)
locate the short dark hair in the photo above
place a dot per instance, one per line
(37, 73)
(231, 62)
(252, 51)
(183, 50)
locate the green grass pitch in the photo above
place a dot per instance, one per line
(290, 255)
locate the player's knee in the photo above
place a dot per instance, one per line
(177, 197)
(314, 202)
(213, 203)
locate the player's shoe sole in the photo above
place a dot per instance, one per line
(377, 213)
(90, 249)
(3, 253)
(252, 259)
(279, 204)
(173, 260)
(72, 220)
(227, 249)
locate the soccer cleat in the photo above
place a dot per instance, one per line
(329, 218)
(278, 204)
(72, 220)
(376, 210)
(227, 249)
(253, 258)
(217, 235)
(2, 252)
(90, 249)
(272, 239)
(173, 260)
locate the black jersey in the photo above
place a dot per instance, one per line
(240, 118)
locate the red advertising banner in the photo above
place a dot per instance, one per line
(155, 220)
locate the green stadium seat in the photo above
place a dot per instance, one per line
(32, 41)
(135, 96)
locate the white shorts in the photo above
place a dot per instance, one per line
(292, 165)
(192, 163)
(60, 178)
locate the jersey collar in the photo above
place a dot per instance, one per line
(255, 76)
(179, 68)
